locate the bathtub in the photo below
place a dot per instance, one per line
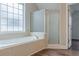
(24, 46)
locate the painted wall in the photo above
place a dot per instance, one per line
(75, 20)
(75, 24)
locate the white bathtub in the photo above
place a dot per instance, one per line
(21, 40)
(22, 46)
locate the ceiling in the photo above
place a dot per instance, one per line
(49, 6)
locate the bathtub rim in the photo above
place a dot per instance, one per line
(21, 43)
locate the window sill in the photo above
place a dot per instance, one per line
(9, 35)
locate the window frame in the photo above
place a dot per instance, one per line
(17, 33)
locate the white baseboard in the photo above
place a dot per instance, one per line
(56, 46)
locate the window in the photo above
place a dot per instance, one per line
(11, 17)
